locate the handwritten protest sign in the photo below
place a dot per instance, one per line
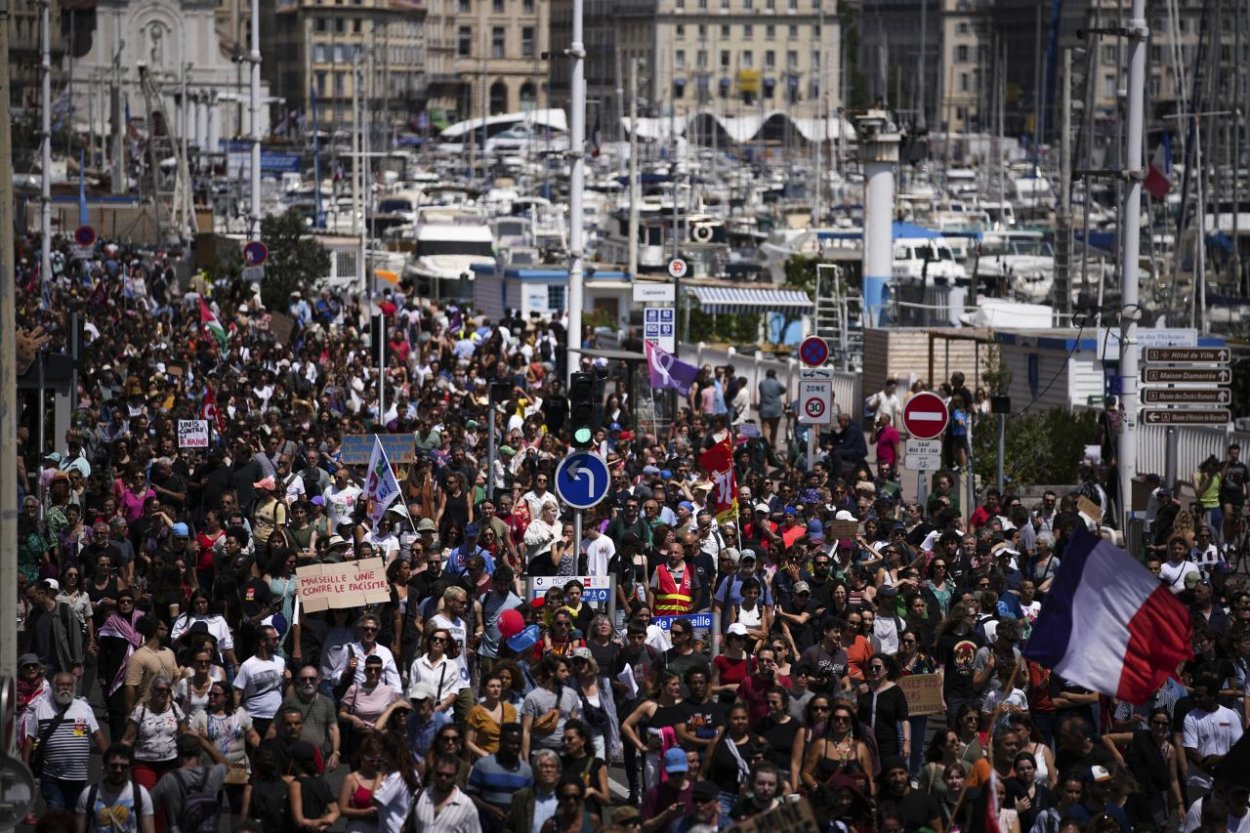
(842, 530)
(1084, 504)
(339, 586)
(788, 817)
(193, 433)
(924, 693)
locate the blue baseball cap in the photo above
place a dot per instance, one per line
(675, 760)
(525, 640)
(685, 504)
(180, 530)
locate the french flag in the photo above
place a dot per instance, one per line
(1158, 179)
(1109, 625)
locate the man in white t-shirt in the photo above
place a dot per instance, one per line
(455, 601)
(340, 497)
(1178, 565)
(260, 681)
(599, 551)
(1209, 731)
(111, 804)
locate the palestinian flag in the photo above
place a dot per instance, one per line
(212, 326)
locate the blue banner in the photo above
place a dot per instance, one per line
(696, 620)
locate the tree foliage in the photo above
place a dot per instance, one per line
(296, 259)
(1041, 447)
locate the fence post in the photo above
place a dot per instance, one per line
(755, 384)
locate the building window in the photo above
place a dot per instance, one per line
(770, 4)
(964, 84)
(961, 28)
(555, 297)
(748, 31)
(321, 53)
(679, 59)
(319, 24)
(1109, 53)
(702, 31)
(746, 5)
(794, 30)
(724, 30)
(496, 42)
(498, 98)
(465, 6)
(679, 88)
(701, 59)
(961, 54)
(464, 41)
(681, 30)
(748, 59)
(527, 41)
(321, 84)
(770, 32)
(338, 84)
(770, 59)
(681, 5)
(816, 59)
(340, 25)
(1108, 86)
(1156, 86)
(724, 59)
(724, 4)
(356, 25)
(792, 60)
(961, 114)
(792, 5)
(527, 6)
(496, 6)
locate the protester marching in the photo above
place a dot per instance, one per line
(277, 588)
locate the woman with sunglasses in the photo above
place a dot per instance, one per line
(364, 703)
(152, 731)
(945, 750)
(356, 793)
(1150, 756)
(726, 765)
(199, 609)
(448, 742)
(231, 732)
(119, 638)
(840, 751)
(884, 707)
(192, 692)
(436, 668)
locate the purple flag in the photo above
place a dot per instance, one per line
(667, 371)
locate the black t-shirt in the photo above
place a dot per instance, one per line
(918, 808)
(704, 718)
(830, 667)
(254, 595)
(781, 738)
(1233, 483)
(956, 653)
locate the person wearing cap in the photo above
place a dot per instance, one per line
(426, 720)
(458, 562)
(707, 809)
(672, 798)
(729, 595)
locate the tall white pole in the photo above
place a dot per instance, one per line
(633, 169)
(45, 155)
(358, 170)
(254, 110)
(1131, 312)
(8, 371)
(577, 183)
(879, 147)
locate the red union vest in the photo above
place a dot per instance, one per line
(672, 599)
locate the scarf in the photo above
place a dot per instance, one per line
(29, 691)
(116, 626)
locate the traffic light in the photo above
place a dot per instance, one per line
(582, 408)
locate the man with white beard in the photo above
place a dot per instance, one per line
(63, 729)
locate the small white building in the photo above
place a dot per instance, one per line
(544, 289)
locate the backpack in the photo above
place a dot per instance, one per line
(200, 808)
(137, 798)
(269, 805)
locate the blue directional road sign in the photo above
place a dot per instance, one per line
(582, 479)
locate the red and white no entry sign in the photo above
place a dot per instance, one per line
(925, 416)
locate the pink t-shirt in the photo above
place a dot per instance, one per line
(888, 439)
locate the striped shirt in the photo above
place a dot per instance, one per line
(68, 749)
(457, 815)
(495, 784)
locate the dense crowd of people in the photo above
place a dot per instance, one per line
(815, 643)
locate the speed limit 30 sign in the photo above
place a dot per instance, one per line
(815, 402)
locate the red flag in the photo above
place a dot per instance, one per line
(718, 462)
(208, 410)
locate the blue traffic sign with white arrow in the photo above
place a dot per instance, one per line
(582, 479)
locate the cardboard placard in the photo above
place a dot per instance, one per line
(357, 448)
(346, 585)
(789, 817)
(193, 433)
(1084, 504)
(924, 693)
(280, 327)
(842, 530)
